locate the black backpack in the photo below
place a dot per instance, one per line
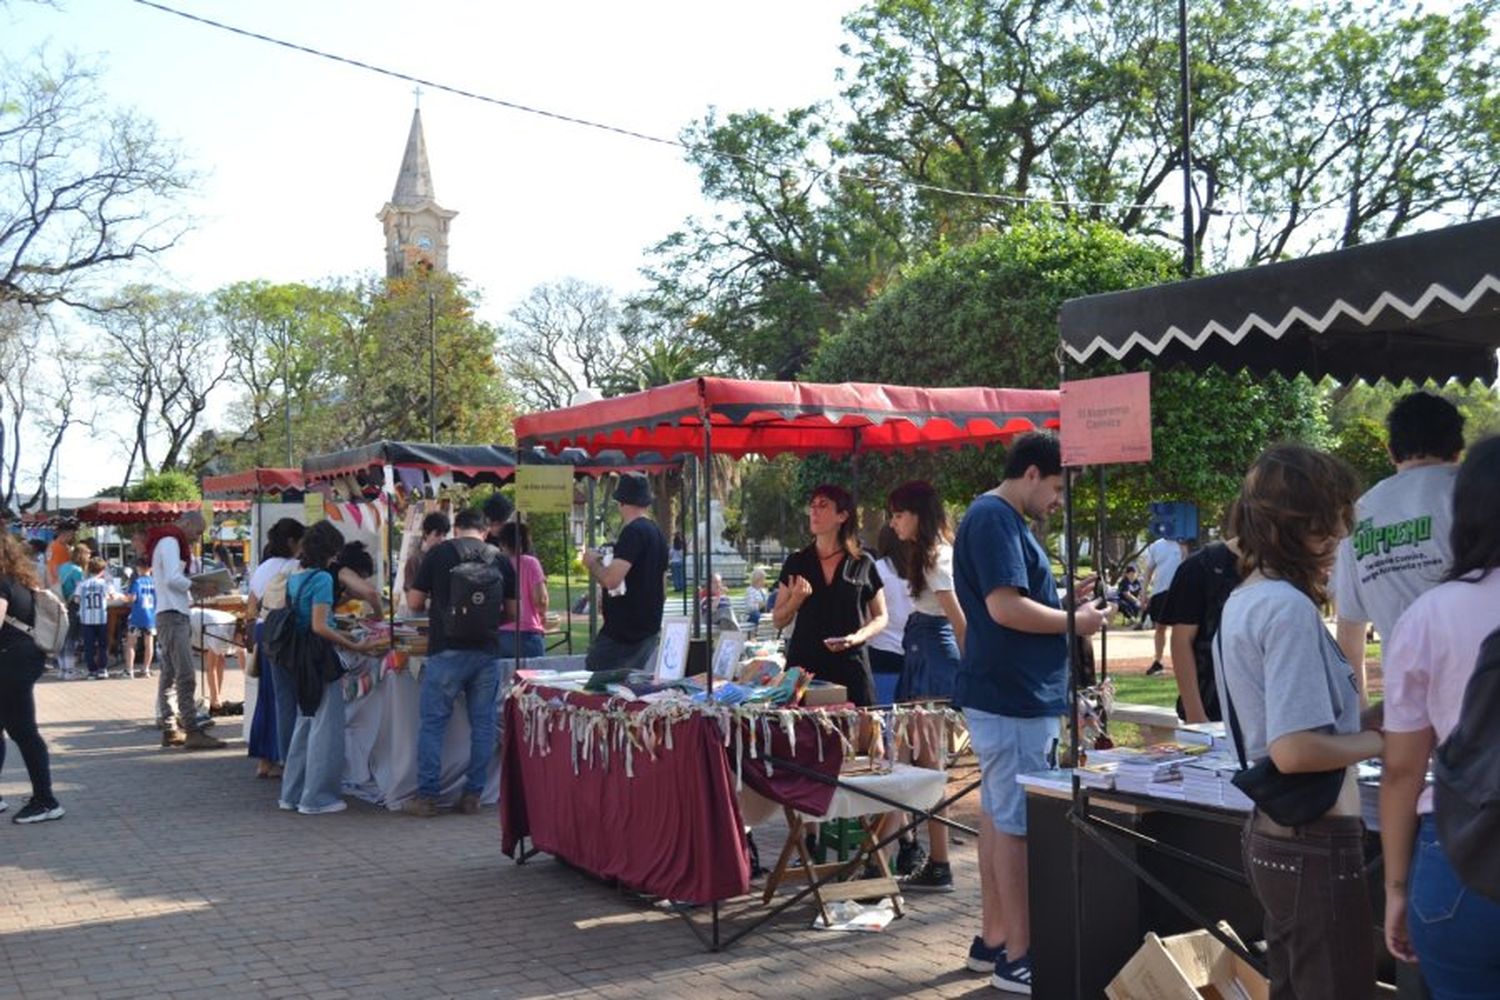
(476, 594)
(1466, 803)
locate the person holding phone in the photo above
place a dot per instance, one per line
(833, 593)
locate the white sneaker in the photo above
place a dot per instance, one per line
(336, 806)
(286, 806)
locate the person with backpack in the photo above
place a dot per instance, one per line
(468, 590)
(313, 777)
(275, 695)
(21, 662)
(1432, 916)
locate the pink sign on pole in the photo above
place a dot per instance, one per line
(1107, 421)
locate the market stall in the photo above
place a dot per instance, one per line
(1419, 307)
(707, 416)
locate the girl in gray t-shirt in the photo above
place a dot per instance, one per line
(1296, 701)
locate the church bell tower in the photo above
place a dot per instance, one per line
(416, 227)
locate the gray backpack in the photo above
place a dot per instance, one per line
(49, 629)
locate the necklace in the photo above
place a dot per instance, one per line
(835, 552)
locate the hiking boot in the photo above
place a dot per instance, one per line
(199, 740)
(172, 738)
(469, 804)
(419, 805)
(910, 857)
(931, 877)
(37, 811)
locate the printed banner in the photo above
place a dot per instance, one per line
(1106, 421)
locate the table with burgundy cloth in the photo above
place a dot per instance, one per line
(672, 826)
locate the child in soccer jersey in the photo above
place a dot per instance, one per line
(142, 623)
(93, 595)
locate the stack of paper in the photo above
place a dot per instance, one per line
(1209, 780)
(1056, 779)
(1099, 774)
(1141, 769)
(1208, 734)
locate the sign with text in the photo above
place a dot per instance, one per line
(544, 489)
(1106, 421)
(312, 507)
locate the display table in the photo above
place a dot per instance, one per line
(1120, 907)
(380, 746)
(633, 795)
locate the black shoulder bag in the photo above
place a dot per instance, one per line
(1289, 799)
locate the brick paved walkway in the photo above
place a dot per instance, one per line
(175, 875)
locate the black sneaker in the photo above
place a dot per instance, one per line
(1155, 668)
(983, 958)
(931, 877)
(910, 857)
(38, 812)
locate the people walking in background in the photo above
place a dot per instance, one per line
(1399, 547)
(60, 553)
(69, 575)
(677, 560)
(1194, 607)
(755, 597)
(92, 596)
(1431, 917)
(1163, 556)
(1290, 696)
(21, 662)
(141, 625)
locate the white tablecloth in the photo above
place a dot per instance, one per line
(914, 787)
(380, 747)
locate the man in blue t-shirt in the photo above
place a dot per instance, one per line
(142, 623)
(1012, 683)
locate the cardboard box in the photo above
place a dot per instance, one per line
(1187, 967)
(821, 693)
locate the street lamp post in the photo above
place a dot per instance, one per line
(1185, 113)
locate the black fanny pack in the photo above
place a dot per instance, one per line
(1289, 799)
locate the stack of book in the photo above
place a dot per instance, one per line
(1208, 734)
(1154, 770)
(1209, 780)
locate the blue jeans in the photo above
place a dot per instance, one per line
(476, 675)
(285, 687)
(679, 575)
(1453, 928)
(95, 653)
(314, 769)
(931, 658)
(516, 645)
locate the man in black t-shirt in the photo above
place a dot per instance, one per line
(1193, 608)
(632, 620)
(471, 666)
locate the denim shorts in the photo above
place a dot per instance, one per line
(1007, 746)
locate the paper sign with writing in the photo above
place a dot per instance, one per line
(1106, 421)
(544, 489)
(312, 507)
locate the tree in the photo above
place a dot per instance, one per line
(83, 187)
(163, 358)
(173, 486)
(35, 399)
(563, 337)
(986, 314)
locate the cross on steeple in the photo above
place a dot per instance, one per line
(416, 92)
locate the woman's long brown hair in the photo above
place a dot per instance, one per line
(1292, 495)
(17, 562)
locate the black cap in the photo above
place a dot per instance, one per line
(634, 489)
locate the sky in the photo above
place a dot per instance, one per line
(297, 153)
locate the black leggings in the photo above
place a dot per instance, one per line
(20, 666)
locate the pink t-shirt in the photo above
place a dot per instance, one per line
(1431, 654)
(528, 618)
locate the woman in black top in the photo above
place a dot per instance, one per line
(21, 662)
(832, 591)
